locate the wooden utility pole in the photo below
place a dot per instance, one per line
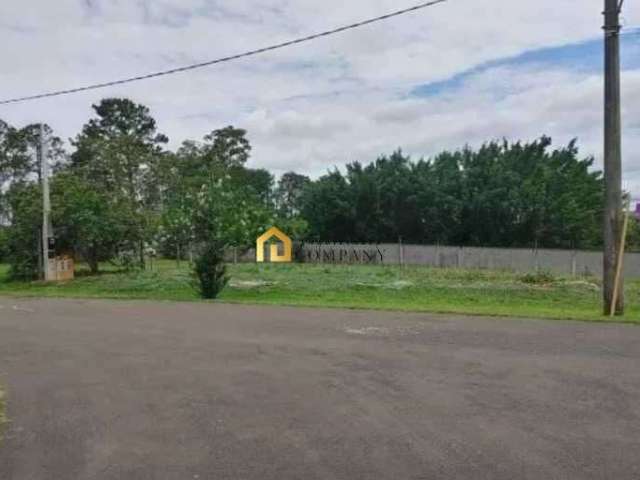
(612, 156)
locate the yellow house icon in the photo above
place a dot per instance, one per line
(274, 256)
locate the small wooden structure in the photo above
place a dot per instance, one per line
(61, 268)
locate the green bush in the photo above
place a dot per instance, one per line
(210, 271)
(541, 277)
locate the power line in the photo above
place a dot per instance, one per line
(224, 59)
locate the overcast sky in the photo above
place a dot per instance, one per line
(459, 73)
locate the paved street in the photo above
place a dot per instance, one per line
(137, 390)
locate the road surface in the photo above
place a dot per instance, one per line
(141, 390)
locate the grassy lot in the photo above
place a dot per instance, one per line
(374, 287)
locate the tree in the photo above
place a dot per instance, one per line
(633, 237)
(209, 270)
(210, 200)
(209, 267)
(502, 194)
(117, 149)
(227, 147)
(4, 243)
(257, 182)
(288, 194)
(20, 197)
(179, 185)
(18, 159)
(176, 230)
(18, 147)
(23, 242)
(217, 167)
(327, 206)
(117, 154)
(87, 222)
(239, 216)
(384, 195)
(5, 169)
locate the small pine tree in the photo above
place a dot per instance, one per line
(209, 270)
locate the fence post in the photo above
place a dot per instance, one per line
(574, 266)
(400, 252)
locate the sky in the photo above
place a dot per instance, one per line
(460, 73)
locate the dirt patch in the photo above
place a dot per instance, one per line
(249, 284)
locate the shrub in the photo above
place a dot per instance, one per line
(209, 270)
(541, 277)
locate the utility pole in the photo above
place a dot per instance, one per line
(46, 206)
(612, 156)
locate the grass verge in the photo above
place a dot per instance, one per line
(417, 289)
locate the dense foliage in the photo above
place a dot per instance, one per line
(499, 195)
(633, 236)
(23, 239)
(121, 195)
(4, 243)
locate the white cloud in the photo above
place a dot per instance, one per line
(324, 103)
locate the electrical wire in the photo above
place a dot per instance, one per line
(250, 53)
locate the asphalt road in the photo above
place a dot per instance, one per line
(134, 390)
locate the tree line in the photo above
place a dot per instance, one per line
(501, 195)
(120, 193)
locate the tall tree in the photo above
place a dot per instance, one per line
(117, 153)
(327, 205)
(23, 236)
(289, 192)
(216, 167)
(227, 147)
(119, 147)
(19, 160)
(258, 182)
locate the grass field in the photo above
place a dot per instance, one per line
(372, 287)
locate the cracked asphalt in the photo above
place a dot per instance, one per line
(142, 390)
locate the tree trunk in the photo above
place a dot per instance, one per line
(141, 246)
(94, 265)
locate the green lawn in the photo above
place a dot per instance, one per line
(374, 287)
